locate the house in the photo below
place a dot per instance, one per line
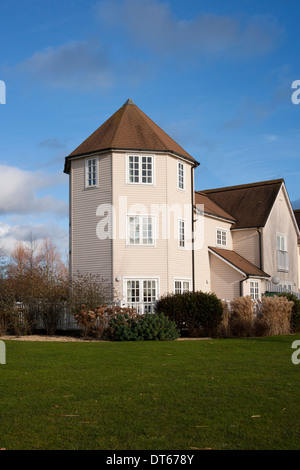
(136, 219)
(255, 251)
(219, 267)
(297, 216)
(131, 207)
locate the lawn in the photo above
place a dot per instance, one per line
(181, 395)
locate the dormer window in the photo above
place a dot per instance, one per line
(140, 169)
(91, 172)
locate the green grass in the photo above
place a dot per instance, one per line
(150, 395)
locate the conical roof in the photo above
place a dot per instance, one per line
(129, 128)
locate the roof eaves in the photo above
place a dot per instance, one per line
(215, 216)
(111, 149)
(262, 275)
(243, 186)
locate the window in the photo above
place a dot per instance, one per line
(181, 234)
(180, 175)
(221, 237)
(141, 291)
(254, 290)
(182, 286)
(140, 169)
(140, 230)
(282, 253)
(91, 172)
(286, 286)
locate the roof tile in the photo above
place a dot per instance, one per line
(129, 128)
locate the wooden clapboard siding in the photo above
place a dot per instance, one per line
(89, 254)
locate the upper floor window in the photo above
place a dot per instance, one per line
(180, 175)
(140, 230)
(91, 172)
(221, 237)
(140, 169)
(282, 252)
(181, 233)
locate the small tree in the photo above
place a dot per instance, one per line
(53, 294)
(39, 281)
(7, 302)
(89, 292)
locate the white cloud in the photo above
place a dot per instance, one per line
(79, 65)
(18, 192)
(152, 24)
(10, 234)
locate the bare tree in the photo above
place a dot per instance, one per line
(3, 261)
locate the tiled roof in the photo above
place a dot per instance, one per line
(249, 204)
(239, 262)
(211, 208)
(129, 128)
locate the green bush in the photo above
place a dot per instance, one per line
(157, 327)
(143, 328)
(295, 317)
(199, 313)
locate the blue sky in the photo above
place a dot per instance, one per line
(215, 75)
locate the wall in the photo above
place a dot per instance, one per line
(202, 258)
(280, 220)
(166, 261)
(88, 253)
(225, 281)
(246, 244)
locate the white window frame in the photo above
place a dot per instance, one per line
(141, 298)
(254, 286)
(87, 185)
(222, 232)
(141, 238)
(282, 252)
(181, 287)
(180, 167)
(286, 285)
(140, 169)
(181, 239)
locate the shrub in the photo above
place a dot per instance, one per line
(197, 312)
(123, 328)
(273, 317)
(96, 323)
(155, 326)
(151, 326)
(295, 316)
(241, 317)
(224, 328)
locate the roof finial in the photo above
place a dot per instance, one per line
(129, 101)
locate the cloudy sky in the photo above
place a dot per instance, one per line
(215, 75)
